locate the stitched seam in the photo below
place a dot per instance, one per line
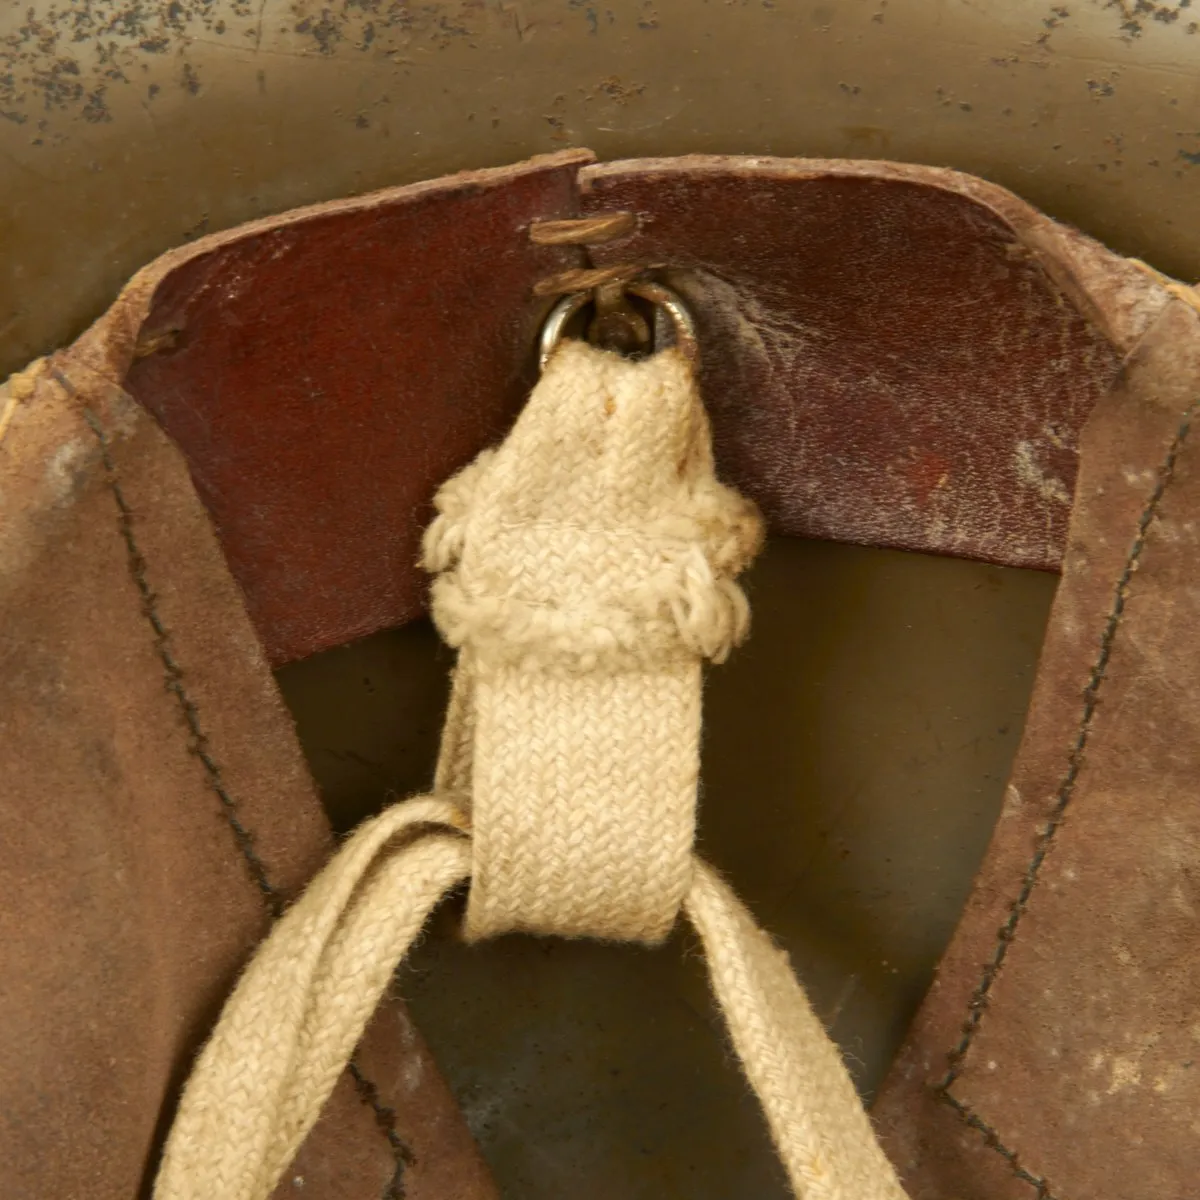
(978, 1003)
(992, 1139)
(385, 1118)
(979, 999)
(198, 739)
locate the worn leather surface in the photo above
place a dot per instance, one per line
(324, 373)
(1058, 1054)
(155, 813)
(885, 357)
(889, 355)
(895, 356)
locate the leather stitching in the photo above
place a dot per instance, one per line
(992, 1139)
(978, 1003)
(385, 1117)
(197, 738)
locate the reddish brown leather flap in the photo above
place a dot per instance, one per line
(889, 355)
(325, 372)
(885, 357)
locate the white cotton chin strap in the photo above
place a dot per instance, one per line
(586, 568)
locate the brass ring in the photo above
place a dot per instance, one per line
(681, 319)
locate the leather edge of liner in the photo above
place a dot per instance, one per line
(1114, 294)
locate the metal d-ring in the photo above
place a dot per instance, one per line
(681, 319)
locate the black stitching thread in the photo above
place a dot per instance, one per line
(385, 1117)
(198, 739)
(978, 1003)
(992, 1139)
(979, 999)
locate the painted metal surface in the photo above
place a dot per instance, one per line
(127, 126)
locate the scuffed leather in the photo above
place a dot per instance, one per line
(1080, 1064)
(892, 355)
(324, 372)
(156, 812)
(886, 358)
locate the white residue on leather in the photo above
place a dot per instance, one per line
(1033, 475)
